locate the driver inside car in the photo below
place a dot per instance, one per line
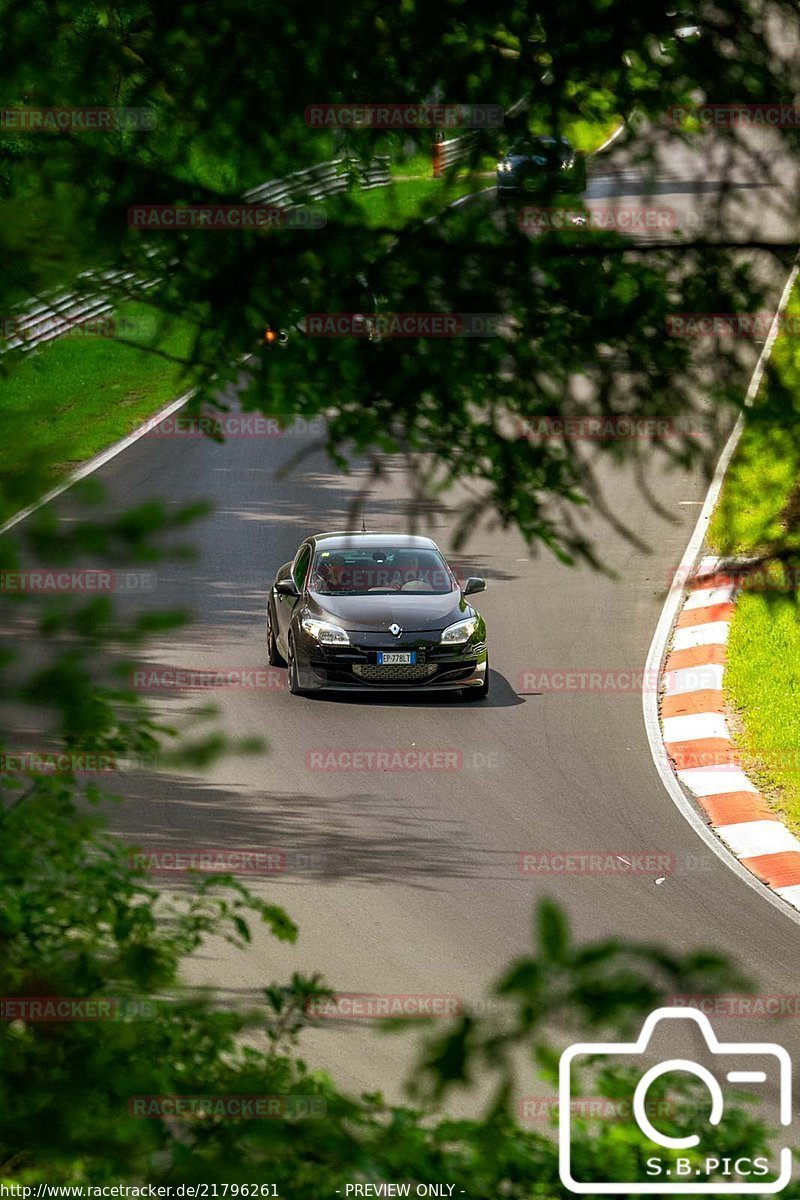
(406, 570)
(330, 575)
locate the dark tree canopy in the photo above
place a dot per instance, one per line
(583, 318)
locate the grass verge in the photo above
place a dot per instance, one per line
(757, 512)
(75, 396)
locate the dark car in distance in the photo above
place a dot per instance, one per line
(366, 611)
(537, 165)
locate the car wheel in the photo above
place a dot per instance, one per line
(477, 693)
(274, 656)
(291, 669)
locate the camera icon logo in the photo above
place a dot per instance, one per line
(668, 1171)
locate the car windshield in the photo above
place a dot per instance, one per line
(361, 570)
(541, 148)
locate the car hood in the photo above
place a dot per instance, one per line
(412, 611)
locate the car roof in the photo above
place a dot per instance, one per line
(355, 538)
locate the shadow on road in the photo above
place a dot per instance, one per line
(361, 836)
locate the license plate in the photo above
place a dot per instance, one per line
(391, 658)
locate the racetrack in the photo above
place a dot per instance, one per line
(413, 882)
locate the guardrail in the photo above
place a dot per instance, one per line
(58, 313)
(451, 151)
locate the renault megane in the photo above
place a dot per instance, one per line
(376, 610)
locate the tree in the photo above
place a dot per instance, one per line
(77, 919)
(582, 317)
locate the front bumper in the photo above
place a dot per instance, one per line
(355, 668)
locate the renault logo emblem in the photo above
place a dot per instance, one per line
(395, 630)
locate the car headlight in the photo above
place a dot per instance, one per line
(462, 631)
(325, 633)
(568, 163)
(504, 166)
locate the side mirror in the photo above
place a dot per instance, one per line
(287, 587)
(474, 584)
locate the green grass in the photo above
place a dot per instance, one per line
(73, 397)
(762, 678)
(415, 192)
(418, 166)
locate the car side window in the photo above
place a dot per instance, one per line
(300, 568)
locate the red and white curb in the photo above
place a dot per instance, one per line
(698, 742)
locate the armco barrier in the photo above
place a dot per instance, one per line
(451, 151)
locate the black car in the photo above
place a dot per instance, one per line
(537, 165)
(356, 611)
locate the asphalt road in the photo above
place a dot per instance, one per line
(411, 881)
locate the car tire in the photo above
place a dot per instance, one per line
(292, 679)
(477, 693)
(274, 656)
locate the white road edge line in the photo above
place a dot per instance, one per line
(669, 612)
(618, 132)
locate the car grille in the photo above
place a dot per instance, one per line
(398, 672)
